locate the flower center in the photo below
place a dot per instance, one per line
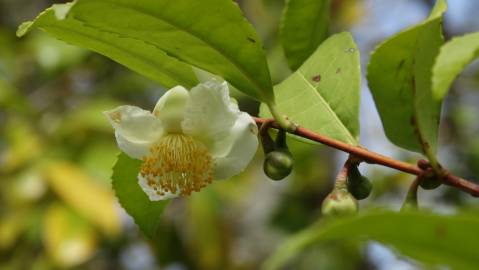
(177, 164)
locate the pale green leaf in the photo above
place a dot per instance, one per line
(304, 25)
(136, 54)
(146, 213)
(429, 238)
(399, 76)
(210, 34)
(452, 59)
(323, 94)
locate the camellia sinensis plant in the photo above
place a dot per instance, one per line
(196, 133)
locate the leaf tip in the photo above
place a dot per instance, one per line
(24, 28)
(61, 10)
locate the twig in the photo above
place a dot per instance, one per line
(375, 158)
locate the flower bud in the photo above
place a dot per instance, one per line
(278, 164)
(430, 183)
(338, 203)
(359, 186)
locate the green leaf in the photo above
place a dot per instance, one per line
(138, 55)
(399, 76)
(146, 213)
(210, 34)
(429, 238)
(452, 59)
(323, 94)
(304, 25)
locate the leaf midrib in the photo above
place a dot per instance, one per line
(186, 30)
(423, 143)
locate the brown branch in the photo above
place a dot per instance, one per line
(375, 158)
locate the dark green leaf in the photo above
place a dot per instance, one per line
(304, 26)
(210, 34)
(429, 238)
(399, 76)
(135, 54)
(146, 213)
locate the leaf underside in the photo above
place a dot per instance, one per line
(323, 94)
(399, 77)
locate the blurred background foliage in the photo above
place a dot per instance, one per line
(57, 210)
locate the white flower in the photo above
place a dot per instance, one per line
(190, 139)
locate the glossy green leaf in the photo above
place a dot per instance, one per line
(210, 34)
(452, 59)
(429, 238)
(304, 25)
(146, 213)
(323, 94)
(399, 76)
(138, 55)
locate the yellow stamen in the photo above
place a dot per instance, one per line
(177, 163)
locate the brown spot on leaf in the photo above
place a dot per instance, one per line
(413, 82)
(398, 69)
(338, 70)
(412, 121)
(440, 231)
(424, 145)
(316, 78)
(251, 40)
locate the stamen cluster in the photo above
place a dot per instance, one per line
(177, 164)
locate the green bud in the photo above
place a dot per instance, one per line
(359, 186)
(278, 164)
(430, 183)
(338, 203)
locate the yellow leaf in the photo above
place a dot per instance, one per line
(79, 190)
(68, 239)
(11, 226)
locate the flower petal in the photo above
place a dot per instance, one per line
(204, 76)
(152, 193)
(135, 129)
(235, 151)
(171, 107)
(209, 113)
